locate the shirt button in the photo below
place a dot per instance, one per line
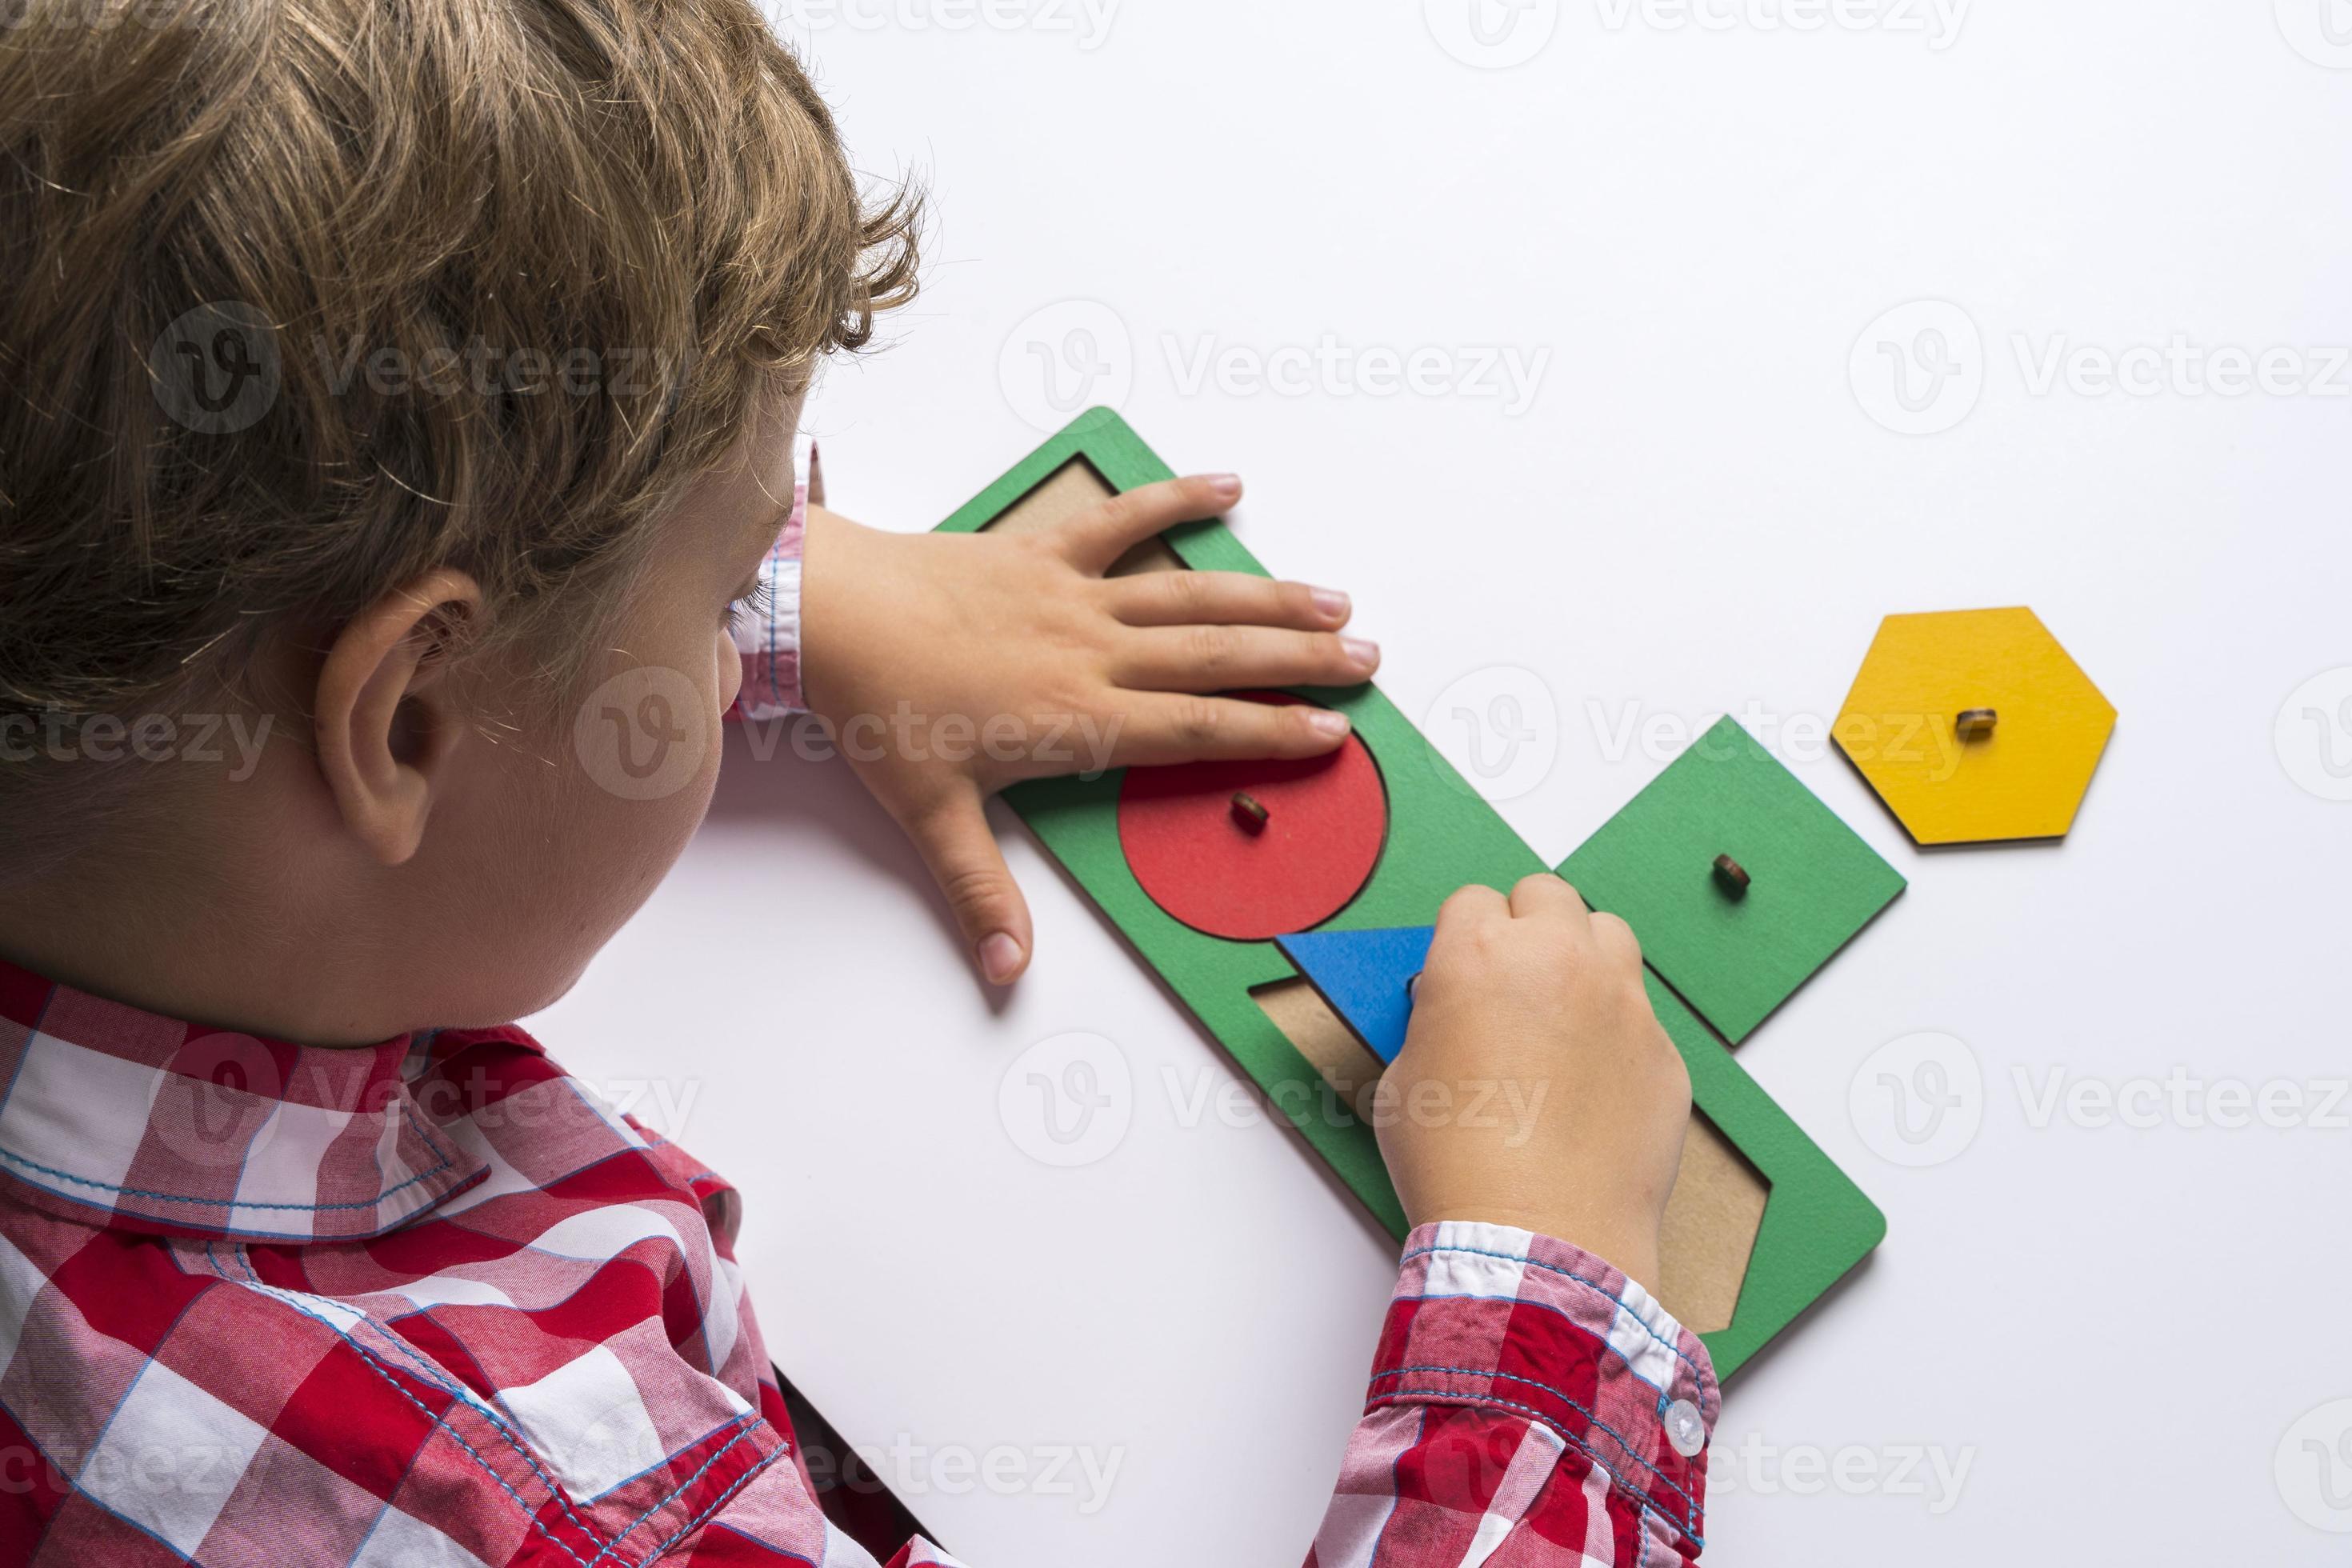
(1686, 1429)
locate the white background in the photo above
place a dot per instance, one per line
(2114, 1328)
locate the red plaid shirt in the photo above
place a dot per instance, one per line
(430, 1303)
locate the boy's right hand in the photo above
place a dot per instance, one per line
(1538, 995)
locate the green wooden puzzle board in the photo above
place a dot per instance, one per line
(1816, 1224)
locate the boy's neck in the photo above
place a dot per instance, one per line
(195, 913)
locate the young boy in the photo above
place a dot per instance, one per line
(399, 398)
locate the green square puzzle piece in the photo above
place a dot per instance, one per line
(1442, 834)
(1813, 884)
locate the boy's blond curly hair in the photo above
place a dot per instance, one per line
(305, 298)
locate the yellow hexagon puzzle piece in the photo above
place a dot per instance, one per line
(2020, 775)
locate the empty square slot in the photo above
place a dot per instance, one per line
(1322, 1036)
(1062, 495)
(1709, 1233)
(1712, 1215)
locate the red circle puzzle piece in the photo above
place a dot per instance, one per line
(1251, 851)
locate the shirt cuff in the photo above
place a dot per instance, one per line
(1500, 1319)
(770, 641)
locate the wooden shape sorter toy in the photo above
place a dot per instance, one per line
(1366, 978)
(1974, 726)
(1767, 884)
(1253, 850)
(1283, 903)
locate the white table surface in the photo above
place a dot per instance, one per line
(2116, 1329)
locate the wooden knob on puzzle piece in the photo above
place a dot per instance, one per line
(1977, 722)
(1252, 850)
(1731, 875)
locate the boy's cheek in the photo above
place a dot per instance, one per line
(730, 672)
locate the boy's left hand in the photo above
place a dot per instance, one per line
(948, 666)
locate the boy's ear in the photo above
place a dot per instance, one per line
(384, 715)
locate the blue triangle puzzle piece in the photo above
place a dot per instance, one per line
(1363, 975)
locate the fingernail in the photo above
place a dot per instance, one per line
(1226, 488)
(1329, 601)
(1000, 958)
(1365, 652)
(1325, 722)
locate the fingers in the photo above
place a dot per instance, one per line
(1471, 906)
(1466, 913)
(1616, 939)
(1160, 728)
(960, 849)
(1544, 894)
(1221, 659)
(1101, 534)
(1224, 598)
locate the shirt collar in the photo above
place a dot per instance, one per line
(127, 1119)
